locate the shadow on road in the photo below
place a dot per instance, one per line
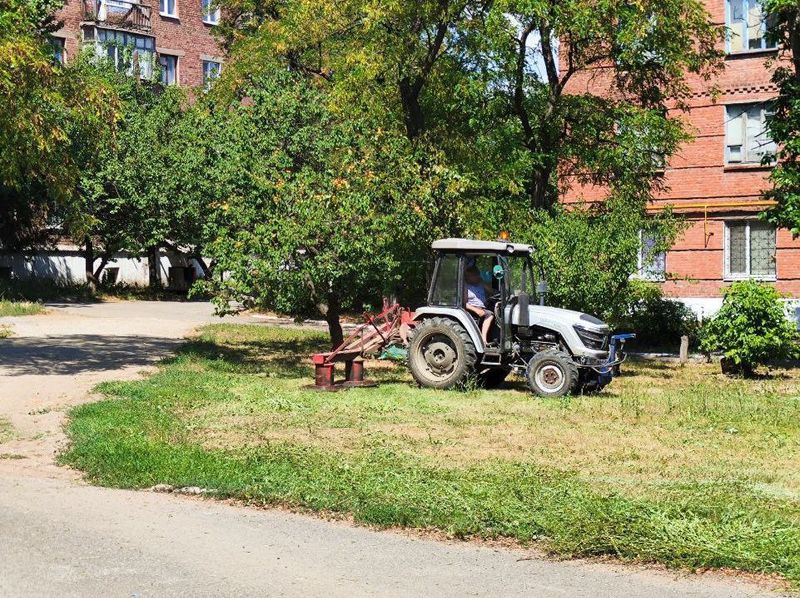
(79, 353)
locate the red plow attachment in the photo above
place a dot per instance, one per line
(369, 338)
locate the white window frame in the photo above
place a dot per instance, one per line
(726, 254)
(641, 272)
(765, 47)
(164, 13)
(745, 151)
(177, 66)
(208, 82)
(210, 17)
(59, 45)
(101, 50)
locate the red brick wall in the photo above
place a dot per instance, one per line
(186, 36)
(697, 175)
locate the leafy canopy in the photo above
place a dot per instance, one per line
(784, 122)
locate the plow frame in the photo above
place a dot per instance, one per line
(375, 334)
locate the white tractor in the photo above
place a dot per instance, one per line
(559, 351)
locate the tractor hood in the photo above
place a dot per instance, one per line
(567, 316)
(552, 317)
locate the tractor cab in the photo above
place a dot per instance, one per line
(506, 275)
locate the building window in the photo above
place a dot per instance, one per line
(211, 71)
(210, 13)
(128, 51)
(59, 52)
(652, 262)
(168, 8)
(169, 69)
(749, 250)
(746, 138)
(747, 26)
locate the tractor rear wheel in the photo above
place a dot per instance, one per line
(552, 374)
(441, 354)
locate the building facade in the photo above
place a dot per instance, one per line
(716, 181)
(172, 39)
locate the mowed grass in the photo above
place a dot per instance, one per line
(675, 465)
(20, 308)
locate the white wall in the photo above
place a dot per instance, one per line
(707, 307)
(68, 266)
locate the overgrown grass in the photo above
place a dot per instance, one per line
(679, 466)
(20, 308)
(45, 289)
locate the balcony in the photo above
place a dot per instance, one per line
(118, 13)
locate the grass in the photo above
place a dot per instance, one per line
(44, 289)
(20, 308)
(6, 430)
(674, 465)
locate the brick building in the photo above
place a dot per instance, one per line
(171, 39)
(716, 181)
(175, 34)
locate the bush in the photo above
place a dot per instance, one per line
(656, 320)
(750, 329)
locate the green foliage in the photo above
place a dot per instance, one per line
(784, 123)
(751, 328)
(312, 212)
(489, 118)
(657, 321)
(588, 254)
(51, 116)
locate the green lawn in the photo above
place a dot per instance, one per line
(680, 466)
(20, 308)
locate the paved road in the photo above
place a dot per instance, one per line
(60, 537)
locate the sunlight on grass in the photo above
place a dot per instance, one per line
(20, 308)
(679, 465)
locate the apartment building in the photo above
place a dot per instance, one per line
(170, 37)
(716, 181)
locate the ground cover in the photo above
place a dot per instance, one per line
(676, 465)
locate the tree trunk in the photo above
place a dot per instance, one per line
(332, 318)
(412, 112)
(88, 256)
(154, 266)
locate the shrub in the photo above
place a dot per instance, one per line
(750, 329)
(656, 320)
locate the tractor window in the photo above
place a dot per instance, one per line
(514, 267)
(445, 287)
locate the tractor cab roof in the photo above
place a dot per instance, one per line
(471, 245)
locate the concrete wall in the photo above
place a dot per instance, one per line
(66, 266)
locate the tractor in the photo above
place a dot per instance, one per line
(559, 351)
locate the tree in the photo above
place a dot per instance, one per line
(52, 114)
(146, 188)
(312, 212)
(784, 122)
(481, 90)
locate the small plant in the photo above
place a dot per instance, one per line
(750, 329)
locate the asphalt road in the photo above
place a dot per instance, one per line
(61, 537)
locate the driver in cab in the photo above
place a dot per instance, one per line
(475, 300)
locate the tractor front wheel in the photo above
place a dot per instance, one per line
(441, 354)
(552, 374)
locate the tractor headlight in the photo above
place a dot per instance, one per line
(592, 339)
